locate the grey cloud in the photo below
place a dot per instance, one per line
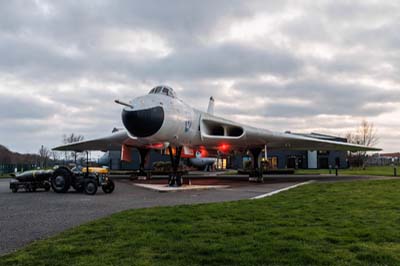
(179, 21)
(28, 107)
(321, 108)
(382, 36)
(32, 49)
(225, 61)
(38, 62)
(221, 61)
(325, 97)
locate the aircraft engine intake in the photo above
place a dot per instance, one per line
(214, 128)
(143, 123)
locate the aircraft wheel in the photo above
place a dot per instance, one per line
(90, 187)
(175, 180)
(109, 187)
(171, 180)
(61, 180)
(179, 180)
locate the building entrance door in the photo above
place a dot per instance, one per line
(323, 163)
(337, 162)
(291, 162)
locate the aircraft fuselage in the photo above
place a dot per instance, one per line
(159, 118)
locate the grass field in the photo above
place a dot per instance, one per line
(349, 223)
(369, 170)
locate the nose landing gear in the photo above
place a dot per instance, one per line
(144, 154)
(175, 178)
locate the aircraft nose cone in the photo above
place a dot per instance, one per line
(143, 123)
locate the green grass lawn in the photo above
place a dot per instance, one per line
(5, 175)
(349, 223)
(369, 170)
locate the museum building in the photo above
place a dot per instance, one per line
(277, 159)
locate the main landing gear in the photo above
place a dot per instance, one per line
(175, 178)
(256, 174)
(143, 160)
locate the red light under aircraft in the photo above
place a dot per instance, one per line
(160, 120)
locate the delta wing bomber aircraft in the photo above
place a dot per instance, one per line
(162, 121)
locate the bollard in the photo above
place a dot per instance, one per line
(395, 171)
(336, 171)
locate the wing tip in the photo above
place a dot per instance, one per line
(66, 148)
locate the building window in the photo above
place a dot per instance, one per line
(221, 164)
(272, 162)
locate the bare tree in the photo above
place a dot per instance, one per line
(366, 135)
(55, 156)
(44, 154)
(67, 139)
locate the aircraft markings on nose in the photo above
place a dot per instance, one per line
(188, 125)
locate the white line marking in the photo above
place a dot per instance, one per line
(166, 188)
(282, 189)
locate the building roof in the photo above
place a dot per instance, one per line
(393, 154)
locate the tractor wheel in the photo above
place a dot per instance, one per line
(61, 180)
(109, 187)
(90, 187)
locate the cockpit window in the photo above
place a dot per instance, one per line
(163, 90)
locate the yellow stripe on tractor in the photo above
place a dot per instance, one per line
(98, 170)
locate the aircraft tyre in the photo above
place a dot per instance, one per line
(260, 178)
(179, 180)
(61, 180)
(109, 187)
(171, 180)
(90, 187)
(175, 180)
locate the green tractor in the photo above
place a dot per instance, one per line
(86, 179)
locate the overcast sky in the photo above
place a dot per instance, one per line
(306, 66)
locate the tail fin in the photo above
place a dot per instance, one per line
(210, 108)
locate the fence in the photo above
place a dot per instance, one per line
(10, 168)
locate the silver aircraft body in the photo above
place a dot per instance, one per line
(161, 121)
